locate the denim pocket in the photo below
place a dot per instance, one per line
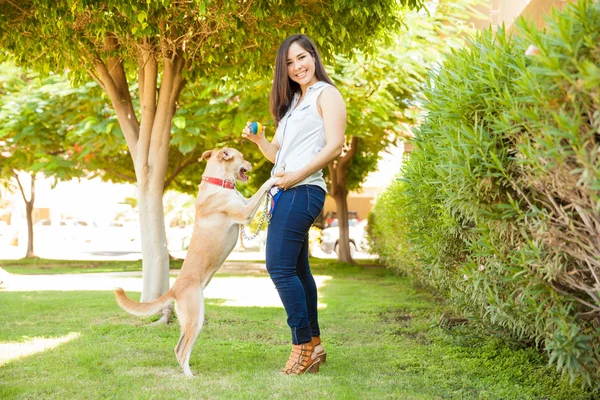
(316, 200)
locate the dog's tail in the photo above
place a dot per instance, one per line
(145, 308)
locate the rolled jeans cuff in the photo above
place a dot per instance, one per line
(301, 335)
(314, 328)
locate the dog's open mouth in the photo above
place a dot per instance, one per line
(243, 176)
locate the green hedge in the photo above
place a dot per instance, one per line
(499, 205)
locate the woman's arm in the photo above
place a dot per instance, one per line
(333, 110)
(269, 150)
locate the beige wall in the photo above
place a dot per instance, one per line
(361, 202)
(536, 9)
(500, 12)
(507, 10)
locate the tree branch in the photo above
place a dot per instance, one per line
(115, 85)
(95, 77)
(130, 130)
(107, 82)
(186, 163)
(121, 175)
(345, 159)
(333, 178)
(170, 87)
(148, 75)
(17, 7)
(163, 108)
(32, 198)
(179, 82)
(20, 187)
(337, 167)
(117, 72)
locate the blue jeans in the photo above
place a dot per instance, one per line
(287, 258)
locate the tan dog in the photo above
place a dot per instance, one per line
(220, 210)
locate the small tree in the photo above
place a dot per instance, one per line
(34, 119)
(382, 96)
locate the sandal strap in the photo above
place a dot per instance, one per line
(300, 359)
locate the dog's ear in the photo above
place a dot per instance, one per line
(225, 154)
(206, 155)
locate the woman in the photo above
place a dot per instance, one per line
(310, 120)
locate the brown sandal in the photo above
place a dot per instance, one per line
(300, 360)
(316, 340)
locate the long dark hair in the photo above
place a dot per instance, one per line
(283, 87)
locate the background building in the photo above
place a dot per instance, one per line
(500, 12)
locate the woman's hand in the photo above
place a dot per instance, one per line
(287, 179)
(247, 134)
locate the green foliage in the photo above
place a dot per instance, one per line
(223, 45)
(212, 114)
(213, 109)
(34, 123)
(228, 38)
(49, 126)
(382, 105)
(498, 205)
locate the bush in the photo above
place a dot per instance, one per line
(499, 204)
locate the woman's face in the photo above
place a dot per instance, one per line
(300, 65)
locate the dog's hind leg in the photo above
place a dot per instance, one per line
(191, 325)
(182, 318)
(178, 347)
(166, 318)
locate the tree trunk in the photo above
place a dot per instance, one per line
(28, 213)
(339, 192)
(341, 204)
(155, 255)
(148, 142)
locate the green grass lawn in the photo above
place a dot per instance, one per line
(39, 266)
(381, 335)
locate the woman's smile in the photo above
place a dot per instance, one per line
(301, 65)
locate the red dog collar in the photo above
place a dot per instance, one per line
(224, 183)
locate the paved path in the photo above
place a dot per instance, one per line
(62, 251)
(245, 291)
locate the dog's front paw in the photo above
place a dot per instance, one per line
(269, 183)
(273, 181)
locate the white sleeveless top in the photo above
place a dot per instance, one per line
(301, 135)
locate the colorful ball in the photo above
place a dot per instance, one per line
(255, 127)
